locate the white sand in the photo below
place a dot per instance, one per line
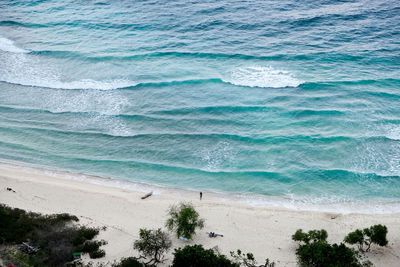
(262, 230)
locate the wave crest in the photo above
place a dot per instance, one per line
(77, 85)
(262, 77)
(8, 45)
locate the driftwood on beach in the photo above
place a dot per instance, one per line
(147, 195)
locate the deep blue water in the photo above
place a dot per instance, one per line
(292, 99)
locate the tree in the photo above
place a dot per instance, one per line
(356, 237)
(375, 234)
(248, 259)
(312, 235)
(129, 262)
(197, 256)
(184, 220)
(321, 254)
(152, 244)
(52, 239)
(315, 251)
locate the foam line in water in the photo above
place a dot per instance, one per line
(78, 85)
(256, 76)
(87, 84)
(8, 45)
(28, 70)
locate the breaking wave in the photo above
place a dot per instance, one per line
(8, 45)
(262, 77)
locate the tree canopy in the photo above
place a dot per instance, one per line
(153, 244)
(184, 220)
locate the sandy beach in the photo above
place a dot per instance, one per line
(264, 231)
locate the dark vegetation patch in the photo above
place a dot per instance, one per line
(315, 251)
(34, 239)
(197, 256)
(129, 262)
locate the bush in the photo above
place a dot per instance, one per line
(316, 251)
(85, 233)
(89, 246)
(17, 225)
(55, 235)
(153, 244)
(375, 234)
(312, 235)
(323, 254)
(93, 248)
(356, 237)
(129, 262)
(184, 219)
(98, 253)
(248, 259)
(197, 256)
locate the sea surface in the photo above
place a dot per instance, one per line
(291, 100)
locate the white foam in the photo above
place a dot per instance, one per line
(393, 132)
(8, 46)
(87, 84)
(29, 70)
(261, 77)
(216, 156)
(81, 84)
(323, 203)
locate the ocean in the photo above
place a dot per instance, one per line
(291, 100)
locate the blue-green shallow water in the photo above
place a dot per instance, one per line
(299, 100)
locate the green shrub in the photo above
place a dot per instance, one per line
(315, 251)
(184, 220)
(129, 262)
(55, 235)
(153, 244)
(55, 219)
(356, 237)
(93, 248)
(248, 260)
(89, 246)
(321, 254)
(84, 233)
(197, 256)
(312, 235)
(375, 234)
(99, 253)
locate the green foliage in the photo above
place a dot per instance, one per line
(315, 251)
(356, 237)
(312, 235)
(375, 234)
(12, 255)
(197, 256)
(98, 253)
(184, 220)
(129, 262)
(17, 225)
(92, 247)
(153, 244)
(55, 235)
(321, 254)
(83, 234)
(248, 259)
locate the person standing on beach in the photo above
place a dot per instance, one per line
(201, 195)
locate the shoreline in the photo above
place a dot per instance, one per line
(361, 206)
(264, 231)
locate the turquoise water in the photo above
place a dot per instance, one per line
(299, 100)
